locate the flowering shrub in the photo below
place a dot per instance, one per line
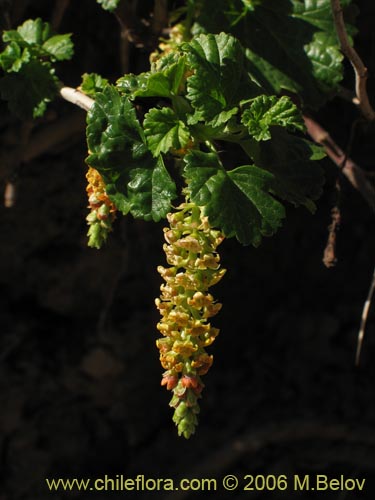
(222, 81)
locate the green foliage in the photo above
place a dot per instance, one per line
(212, 90)
(290, 44)
(110, 5)
(165, 131)
(266, 111)
(29, 90)
(293, 162)
(30, 81)
(92, 83)
(209, 117)
(136, 182)
(203, 97)
(164, 81)
(203, 104)
(237, 201)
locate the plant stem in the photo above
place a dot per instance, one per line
(355, 175)
(76, 97)
(360, 69)
(365, 312)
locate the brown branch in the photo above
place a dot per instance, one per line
(360, 69)
(9, 194)
(329, 258)
(365, 312)
(355, 175)
(348, 95)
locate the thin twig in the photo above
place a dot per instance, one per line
(355, 175)
(365, 312)
(329, 258)
(76, 97)
(360, 69)
(347, 95)
(9, 194)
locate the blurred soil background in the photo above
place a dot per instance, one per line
(80, 391)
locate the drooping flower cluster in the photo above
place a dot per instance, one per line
(102, 210)
(186, 306)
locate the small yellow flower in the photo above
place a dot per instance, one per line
(184, 348)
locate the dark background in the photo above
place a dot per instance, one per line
(80, 391)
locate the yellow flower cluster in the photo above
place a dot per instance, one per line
(102, 210)
(186, 306)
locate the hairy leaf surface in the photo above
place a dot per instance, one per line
(93, 83)
(219, 80)
(239, 201)
(164, 131)
(136, 181)
(30, 82)
(290, 44)
(165, 82)
(266, 111)
(29, 90)
(292, 160)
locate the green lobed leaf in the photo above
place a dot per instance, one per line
(130, 84)
(267, 111)
(14, 57)
(114, 135)
(163, 131)
(29, 90)
(31, 32)
(59, 47)
(219, 81)
(135, 181)
(163, 82)
(290, 44)
(292, 160)
(37, 39)
(110, 5)
(31, 82)
(150, 191)
(239, 201)
(93, 83)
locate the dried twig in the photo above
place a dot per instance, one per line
(355, 175)
(365, 312)
(329, 258)
(360, 69)
(9, 194)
